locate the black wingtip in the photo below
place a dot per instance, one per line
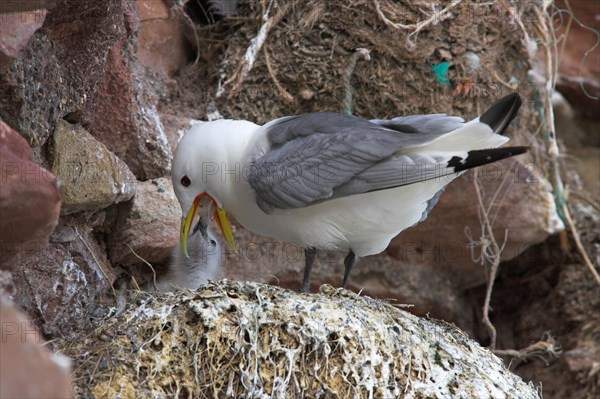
(501, 114)
(481, 157)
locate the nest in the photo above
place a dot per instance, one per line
(249, 340)
(287, 57)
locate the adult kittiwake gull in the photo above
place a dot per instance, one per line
(331, 181)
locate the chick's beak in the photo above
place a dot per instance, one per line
(220, 217)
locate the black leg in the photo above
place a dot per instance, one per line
(309, 255)
(349, 262)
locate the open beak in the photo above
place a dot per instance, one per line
(220, 217)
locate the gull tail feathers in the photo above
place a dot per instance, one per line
(502, 113)
(476, 158)
(480, 133)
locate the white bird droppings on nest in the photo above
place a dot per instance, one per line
(240, 339)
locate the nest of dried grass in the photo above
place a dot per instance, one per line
(242, 340)
(307, 46)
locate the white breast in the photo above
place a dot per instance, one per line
(364, 223)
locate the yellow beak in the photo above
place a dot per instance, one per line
(220, 217)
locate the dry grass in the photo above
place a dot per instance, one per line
(397, 81)
(239, 339)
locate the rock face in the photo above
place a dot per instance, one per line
(127, 120)
(579, 69)
(161, 44)
(29, 200)
(29, 370)
(148, 225)
(17, 28)
(58, 72)
(449, 241)
(59, 286)
(77, 69)
(91, 176)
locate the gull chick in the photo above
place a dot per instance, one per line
(331, 181)
(194, 270)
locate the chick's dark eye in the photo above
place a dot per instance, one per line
(185, 181)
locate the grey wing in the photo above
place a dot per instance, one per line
(404, 169)
(435, 124)
(319, 156)
(416, 129)
(396, 170)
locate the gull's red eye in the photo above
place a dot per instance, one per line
(185, 181)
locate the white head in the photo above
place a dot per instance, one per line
(198, 149)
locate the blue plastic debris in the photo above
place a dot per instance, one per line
(441, 73)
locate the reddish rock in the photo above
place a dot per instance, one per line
(583, 94)
(161, 43)
(580, 39)
(266, 260)
(17, 28)
(83, 70)
(91, 177)
(29, 200)
(7, 7)
(127, 123)
(29, 370)
(148, 225)
(59, 286)
(523, 209)
(57, 74)
(579, 74)
(13, 142)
